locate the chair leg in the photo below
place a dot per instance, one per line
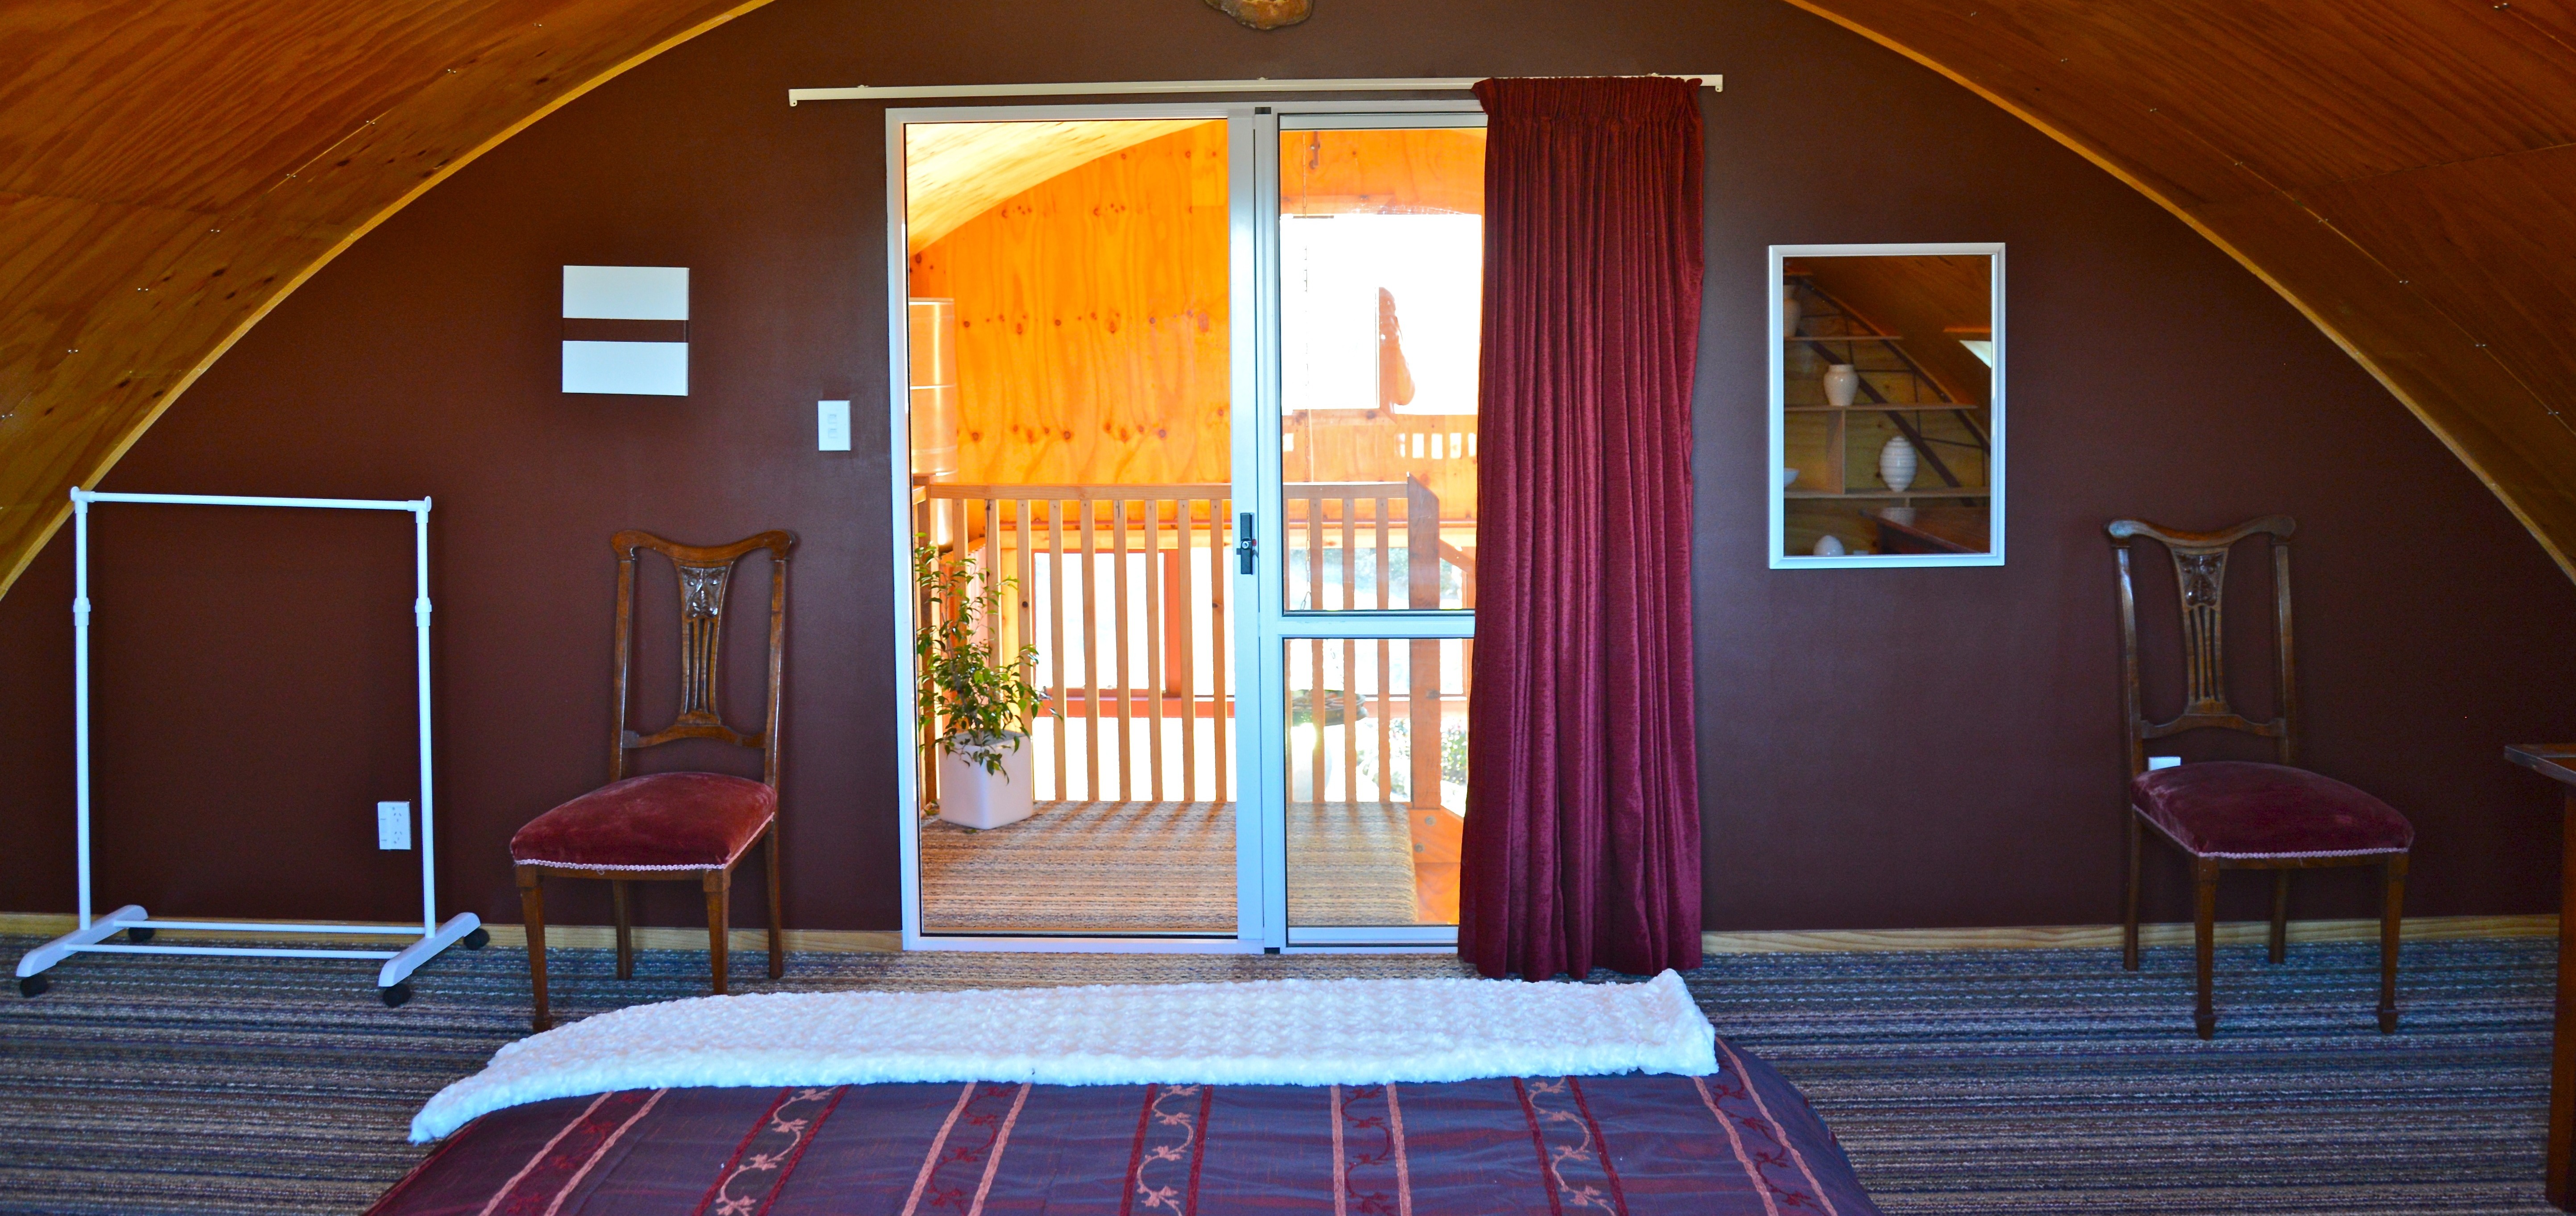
(2391, 912)
(2280, 915)
(2204, 941)
(625, 929)
(719, 890)
(2129, 926)
(532, 909)
(777, 934)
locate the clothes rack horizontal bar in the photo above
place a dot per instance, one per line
(1114, 88)
(239, 926)
(238, 500)
(233, 951)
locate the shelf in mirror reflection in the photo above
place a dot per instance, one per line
(1929, 492)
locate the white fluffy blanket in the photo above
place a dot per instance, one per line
(1280, 1032)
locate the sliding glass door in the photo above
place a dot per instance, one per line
(1366, 608)
(1191, 395)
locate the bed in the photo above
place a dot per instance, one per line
(1733, 1139)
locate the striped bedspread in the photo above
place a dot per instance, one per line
(1740, 1141)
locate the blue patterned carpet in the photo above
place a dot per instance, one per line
(1986, 1082)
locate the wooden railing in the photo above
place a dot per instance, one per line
(1381, 532)
(1122, 590)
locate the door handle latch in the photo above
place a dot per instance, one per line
(1247, 546)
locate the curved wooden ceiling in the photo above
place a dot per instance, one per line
(2404, 171)
(2401, 170)
(955, 171)
(170, 169)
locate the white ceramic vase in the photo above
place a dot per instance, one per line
(1829, 545)
(971, 797)
(1841, 384)
(1896, 463)
(1788, 311)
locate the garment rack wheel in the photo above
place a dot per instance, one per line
(397, 995)
(139, 934)
(476, 940)
(33, 985)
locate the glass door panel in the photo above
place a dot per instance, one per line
(1381, 273)
(1380, 279)
(1072, 454)
(1376, 779)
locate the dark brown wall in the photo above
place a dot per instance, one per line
(1881, 748)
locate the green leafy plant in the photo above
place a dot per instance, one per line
(976, 701)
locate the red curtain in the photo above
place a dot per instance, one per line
(1582, 835)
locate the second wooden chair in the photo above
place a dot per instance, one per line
(2229, 814)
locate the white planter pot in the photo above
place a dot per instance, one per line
(1896, 463)
(1842, 384)
(973, 798)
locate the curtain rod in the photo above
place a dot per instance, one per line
(1373, 84)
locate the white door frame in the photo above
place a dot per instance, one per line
(1262, 627)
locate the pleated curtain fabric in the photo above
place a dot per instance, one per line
(1582, 839)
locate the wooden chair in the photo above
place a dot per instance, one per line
(2231, 814)
(669, 826)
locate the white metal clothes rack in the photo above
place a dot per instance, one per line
(137, 925)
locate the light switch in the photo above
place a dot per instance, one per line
(832, 425)
(393, 825)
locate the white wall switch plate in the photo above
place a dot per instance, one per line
(832, 420)
(393, 825)
(2157, 762)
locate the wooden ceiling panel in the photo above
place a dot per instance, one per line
(2301, 92)
(2397, 169)
(170, 169)
(2436, 231)
(955, 171)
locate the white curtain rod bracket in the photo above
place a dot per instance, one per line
(1377, 84)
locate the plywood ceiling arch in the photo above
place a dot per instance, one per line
(2403, 171)
(955, 171)
(171, 169)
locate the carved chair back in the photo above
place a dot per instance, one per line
(706, 575)
(2200, 583)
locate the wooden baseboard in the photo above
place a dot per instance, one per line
(1795, 941)
(2094, 937)
(839, 941)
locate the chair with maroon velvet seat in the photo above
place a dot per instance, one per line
(2230, 815)
(669, 826)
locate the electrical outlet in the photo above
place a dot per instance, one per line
(832, 422)
(393, 825)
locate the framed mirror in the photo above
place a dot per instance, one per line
(1887, 405)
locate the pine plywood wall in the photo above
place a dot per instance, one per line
(1092, 321)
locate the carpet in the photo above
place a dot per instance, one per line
(1159, 867)
(1986, 1082)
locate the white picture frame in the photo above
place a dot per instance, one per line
(1779, 492)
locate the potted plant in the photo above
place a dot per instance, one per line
(974, 703)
